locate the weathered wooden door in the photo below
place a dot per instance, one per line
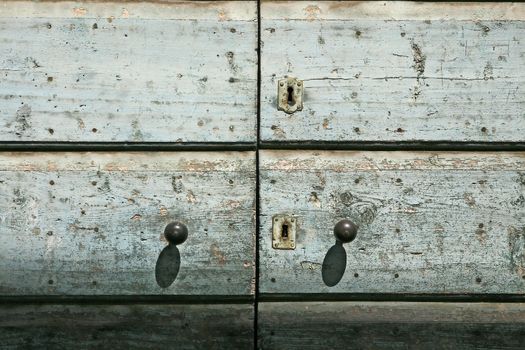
(391, 186)
(128, 175)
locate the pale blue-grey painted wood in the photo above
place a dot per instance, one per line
(132, 72)
(429, 222)
(139, 326)
(390, 72)
(92, 223)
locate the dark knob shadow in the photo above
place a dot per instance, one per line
(168, 266)
(334, 264)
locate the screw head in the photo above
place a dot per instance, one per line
(345, 231)
(176, 232)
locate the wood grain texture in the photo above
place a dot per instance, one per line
(400, 71)
(348, 325)
(126, 326)
(128, 72)
(429, 222)
(93, 223)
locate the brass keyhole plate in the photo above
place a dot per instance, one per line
(290, 95)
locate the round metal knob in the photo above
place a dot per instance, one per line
(176, 233)
(345, 231)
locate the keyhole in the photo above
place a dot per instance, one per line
(291, 102)
(284, 233)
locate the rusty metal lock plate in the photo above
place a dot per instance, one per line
(284, 231)
(290, 95)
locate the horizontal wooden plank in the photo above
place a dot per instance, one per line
(350, 325)
(400, 71)
(149, 9)
(391, 10)
(126, 326)
(93, 223)
(429, 222)
(128, 72)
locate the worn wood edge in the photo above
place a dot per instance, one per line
(47, 146)
(390, 297)
(221, 11)
(128, 161)
(392, 312)
(392, 146)
(128, 299)
(289, 160)
(390, 10)
(49, 311)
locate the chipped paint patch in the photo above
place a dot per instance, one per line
(312, 12)
(218, 254)
(310, 265)
(516, 237)
(79, 11)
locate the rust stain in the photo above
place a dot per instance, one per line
(340, 5)
(27, 167)
(190, 4)
(233, 204)
(481, 235)
(469, 199)
(115, 167)
(314, 200)
(136, 217)
(190, 197)
(218, 254)
(190, 165)
(79, 11)
(163, 211)
(408, 210)
(312, 12)
(222, 15)
(51, 166)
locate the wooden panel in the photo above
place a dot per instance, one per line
(164, 71)
(429, 222)
(126, 326)
(395, 71)
(349, 325)
(93, 223)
